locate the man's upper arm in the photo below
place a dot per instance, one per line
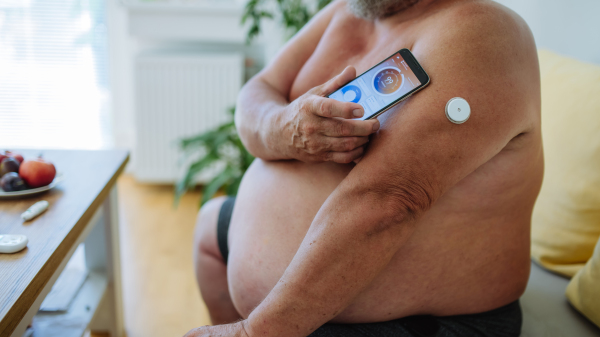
(282, 71)
(418, 154)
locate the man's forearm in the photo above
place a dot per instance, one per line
(351, 240)
(258, 113)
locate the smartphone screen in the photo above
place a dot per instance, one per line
(384, 85)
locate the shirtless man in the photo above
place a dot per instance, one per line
(428, 234)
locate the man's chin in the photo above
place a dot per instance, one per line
(375, 9)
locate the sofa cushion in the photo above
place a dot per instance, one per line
(566, 217)
(546, 311)
(584, 289)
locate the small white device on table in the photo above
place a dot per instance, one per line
(35, 210)
(458, 110)
(12, 243)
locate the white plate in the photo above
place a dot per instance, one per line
(5, 195)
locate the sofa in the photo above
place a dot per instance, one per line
(546, 311)
(563, 294)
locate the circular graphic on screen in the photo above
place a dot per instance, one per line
(388, 80)
(351, 93)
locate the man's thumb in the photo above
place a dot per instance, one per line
(347, 75)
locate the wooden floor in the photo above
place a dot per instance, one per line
(160, 294)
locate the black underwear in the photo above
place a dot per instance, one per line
(505, 321)
(223, 226)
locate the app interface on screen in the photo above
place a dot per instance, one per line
(379, 86)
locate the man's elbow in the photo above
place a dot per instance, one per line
(413, 198)
(404, 202)
(248, 133)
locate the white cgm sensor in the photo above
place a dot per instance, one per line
(458, 110)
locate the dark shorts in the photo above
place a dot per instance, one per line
(502, 322)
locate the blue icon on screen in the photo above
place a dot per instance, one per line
(351, 93)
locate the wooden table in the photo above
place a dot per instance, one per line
(83, 208)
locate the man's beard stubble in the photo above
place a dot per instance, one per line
(374, 9)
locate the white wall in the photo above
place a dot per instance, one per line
(568, 27)
(121, 47)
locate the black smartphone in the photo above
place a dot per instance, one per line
(385, 85)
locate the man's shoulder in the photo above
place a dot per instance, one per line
(485, 53)
(482, 34)
(481, 20)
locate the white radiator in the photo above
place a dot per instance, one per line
(178, 96)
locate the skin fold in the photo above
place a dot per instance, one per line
(433, 219)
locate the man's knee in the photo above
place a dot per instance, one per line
(205, 236)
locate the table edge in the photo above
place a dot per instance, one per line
(19, 308)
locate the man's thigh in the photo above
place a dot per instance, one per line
(205, 233)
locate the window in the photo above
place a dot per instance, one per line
(54, 74)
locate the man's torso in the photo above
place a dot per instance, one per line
(470, 251)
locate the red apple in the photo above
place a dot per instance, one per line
(37, 172)
(17, 156)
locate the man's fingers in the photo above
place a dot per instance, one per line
(345, 144)
(347, 75)
(349, 127)
(328, 107)
(346, 157)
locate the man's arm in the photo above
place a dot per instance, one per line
(416, 157)
(272, 128)
(265, 96)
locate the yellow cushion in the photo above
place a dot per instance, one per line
(566, 218)
(584, 289)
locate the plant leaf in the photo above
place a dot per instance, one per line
(215, 184)
(233, 188)
(188, 181)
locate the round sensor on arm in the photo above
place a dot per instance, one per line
(458, 110)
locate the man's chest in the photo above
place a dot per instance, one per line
(348, 42)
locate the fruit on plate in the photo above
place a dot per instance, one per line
(7, 165)
(37, 172)
(15, 155)
(11, 182)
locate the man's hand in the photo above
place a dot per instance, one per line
(225, 330)
(312, 128)
(318, 128)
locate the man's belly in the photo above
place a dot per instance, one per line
(469, 253)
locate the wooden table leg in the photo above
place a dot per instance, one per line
(103, 254)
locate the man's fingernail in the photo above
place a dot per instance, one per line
(376, 126)
(357, 113)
